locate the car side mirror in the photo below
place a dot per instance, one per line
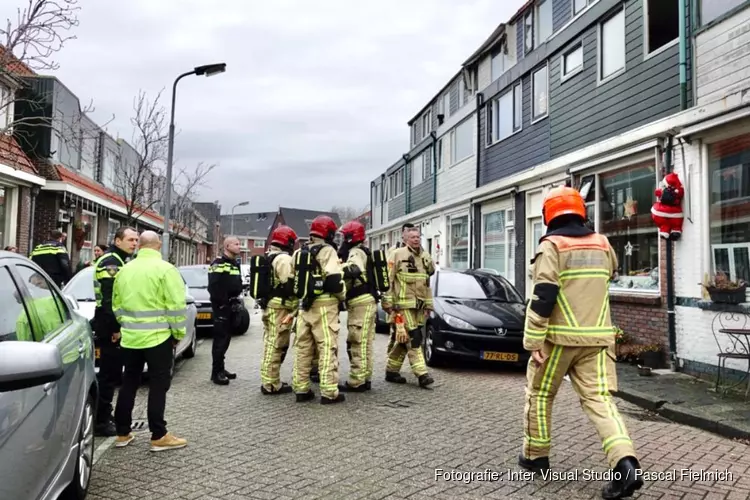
(73, 301)
(28, 364)
(189, 299)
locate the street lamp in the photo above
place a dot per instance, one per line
(237, 205)
(207, 70)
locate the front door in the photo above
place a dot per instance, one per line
(536, 230)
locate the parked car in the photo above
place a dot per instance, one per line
(80, 292)
(477, 315)
(48, 388)
(196, 278)
(381, 321)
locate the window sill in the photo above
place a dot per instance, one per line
(503, 139)
(611, 77)
(647, 55)
(708, 305)
(541, 118)
(569, 76)
(461, 161)
(643, 298)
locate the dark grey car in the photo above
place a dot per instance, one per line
(196, 278)
(48, 387)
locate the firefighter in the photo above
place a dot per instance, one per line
(279, 312)
(318, 321)
(53, 258)
(391, 253)
(224, 287)
(409, 297)
(149, 302)
(569, 331)
(105, 325)
(314, 371)
(361, 306)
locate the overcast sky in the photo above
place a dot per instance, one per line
(317, 93)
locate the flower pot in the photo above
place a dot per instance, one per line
(724, 296)
(651, 359)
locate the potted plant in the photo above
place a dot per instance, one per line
(650, 355)
(723, 290)
(620, 339)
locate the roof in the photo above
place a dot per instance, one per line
(488, 44)
(15, 65)
(255, 225)
(435, 97)
(300, 219)
(520, 11)
(12, 155)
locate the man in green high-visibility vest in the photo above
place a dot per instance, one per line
(149, 303)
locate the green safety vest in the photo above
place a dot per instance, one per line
(148, 300)
(103, 273)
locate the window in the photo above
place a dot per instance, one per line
(445, 105)
(662, 23)
(259, 244)
(112, 227)
(87, 232)
(414, 136)
(426, 124)
(729, 181)
(426, 164)
(13, 321)
(624, 198)
(539, 94)
(612, 46)
(419, 169)
(579, 5)
(5, 108)
(528, 32)
(462, 142)
(440, 154)
(713, 9)
(459, 242)
(498, 242)
(500, 62)
(572, 62)
(544, 22)
(461, 92)
(397, 183)
(505, 115)
(51, 312)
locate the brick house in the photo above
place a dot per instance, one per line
(251, 229)
(300, 220)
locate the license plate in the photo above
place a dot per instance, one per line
(204, 315)
(97, 353)
(499, 356)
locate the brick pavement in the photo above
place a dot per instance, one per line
(387, 443)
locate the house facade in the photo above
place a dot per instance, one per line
(299, 220)
(608, 96)
(251, 229)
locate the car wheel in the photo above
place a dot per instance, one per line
(78, 487)
(431, 356)
(190, 351)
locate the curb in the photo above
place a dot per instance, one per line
(683, 415)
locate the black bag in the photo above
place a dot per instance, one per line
(240, 317)
(307, 280)
(261, 272)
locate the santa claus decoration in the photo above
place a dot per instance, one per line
(667, 211)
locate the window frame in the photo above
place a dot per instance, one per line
(452, 137)
(262, 244)
(600, 47)
(529, 15)
(492, 108)
(574, 47)
(646, 54)
(700, 24)
(449, 243)
(537, 22)
(426, 120)
(509, 229)
(533, 99)
(439, 155)
(395, 185)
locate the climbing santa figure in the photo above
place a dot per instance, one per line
(667, 211)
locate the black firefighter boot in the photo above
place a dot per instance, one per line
(329, 401)
(345, 387)
(425, 381)
(394, 377)
(627, 479)
(538, 465)
(305, 396)
(284, 389)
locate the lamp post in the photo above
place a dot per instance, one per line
(232, 219)
(207, 70)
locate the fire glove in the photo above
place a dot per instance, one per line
(402, 336)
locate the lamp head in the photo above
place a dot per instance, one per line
(211, 69)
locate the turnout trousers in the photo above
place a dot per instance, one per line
(593, 375)
(277, 329)
(318, 328)
(361, 327)
(414, 320)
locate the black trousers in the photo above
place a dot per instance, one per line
(109, 376)
(222, 337)
(160, 359)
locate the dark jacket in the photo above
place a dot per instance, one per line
(54, 260)
(107, 267)
(224, 282)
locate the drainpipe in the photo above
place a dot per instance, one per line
(673, 362)
(480, 102)
(683, 55)
(383, 187)
(34, 192)
(433, 134)
(407, 184)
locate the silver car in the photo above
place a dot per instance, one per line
(48, 388)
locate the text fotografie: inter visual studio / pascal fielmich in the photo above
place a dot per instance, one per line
(582, 475)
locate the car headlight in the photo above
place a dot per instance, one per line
(457, 323)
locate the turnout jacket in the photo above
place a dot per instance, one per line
(569, 305)
(107, 267)
(409, 275)
(224, 281)
(54, 260)
(358, 286)
(330, 269)
(282, 280)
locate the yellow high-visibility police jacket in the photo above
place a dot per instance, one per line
(570, 300)
(409, 274)
(149, 301)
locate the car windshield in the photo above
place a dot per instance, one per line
(470, 286)
(81, 287)
(195, 277)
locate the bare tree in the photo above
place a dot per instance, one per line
(184, 216)
(347, 214)
(135, 177)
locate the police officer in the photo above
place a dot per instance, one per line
(318, 321)
(105, 325)
(361, 306)
(148, 298)
(279, 312)
(409, 297)
(569, 331)
(225, 287)
(53, 258)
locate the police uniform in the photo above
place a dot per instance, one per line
(105, 326)
(224, 286)
(54, 260)
(410, 296)
(277, 321)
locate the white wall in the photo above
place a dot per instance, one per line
(484, 72)
(459, 179)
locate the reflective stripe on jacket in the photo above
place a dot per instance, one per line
(409, 273)
(149, 301)
(102, 271)
(570, 299)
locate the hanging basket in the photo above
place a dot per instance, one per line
(727, 296)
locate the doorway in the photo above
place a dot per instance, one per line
(536, 230)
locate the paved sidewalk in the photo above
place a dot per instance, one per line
(686, 400)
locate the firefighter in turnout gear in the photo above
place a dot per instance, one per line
(361, 306)
(224, 287)
(408, 301)
(279, 311)
(569, 331)
(105, 325)
(53, 258)
(318, 320)
(390, 255)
